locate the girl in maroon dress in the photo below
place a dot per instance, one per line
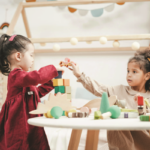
(16, 57)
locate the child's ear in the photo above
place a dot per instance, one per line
(18, 56)
(147, 77)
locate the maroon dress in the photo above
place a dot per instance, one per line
(22, 97)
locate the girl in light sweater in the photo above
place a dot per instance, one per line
(138, 78)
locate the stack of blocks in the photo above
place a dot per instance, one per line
(62, 85)
(140, 105)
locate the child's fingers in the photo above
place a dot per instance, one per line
(73, 65)
(70, 68)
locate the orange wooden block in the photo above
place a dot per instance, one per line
(66, 82)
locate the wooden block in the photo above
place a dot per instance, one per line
(60, 89)
(66, 82)
(69, 96)
(57, 82)
(68, 89)
(140, 100)
(59, 75)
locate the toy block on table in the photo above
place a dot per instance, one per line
(144, 118)
(69, 96)
(129, 115)
(66, 82)
(147, 102)
(58, 100)
(104, 103)
(113, 112)
(60, 89)
(56, 112)
(57, 82)
(97, 114)
(59, 75)
(68, 89)
(140, 100)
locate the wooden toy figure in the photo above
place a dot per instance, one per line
(66, 63)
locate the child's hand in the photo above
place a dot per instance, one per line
(136, 98)
(75, 69)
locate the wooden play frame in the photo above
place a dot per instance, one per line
(92, 135)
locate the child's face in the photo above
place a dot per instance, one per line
(135, 76)
(27, 58)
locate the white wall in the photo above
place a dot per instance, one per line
(106, 67)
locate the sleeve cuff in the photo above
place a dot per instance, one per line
(81, 78)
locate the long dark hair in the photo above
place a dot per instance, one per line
(9, 47)
(142, 58)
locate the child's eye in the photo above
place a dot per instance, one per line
(128, 71)
(134, 71)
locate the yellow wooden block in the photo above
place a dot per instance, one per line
(72, 110)
(57, 82)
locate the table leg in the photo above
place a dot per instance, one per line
(74, 140)
(92, 140)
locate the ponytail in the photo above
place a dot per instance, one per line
(4, 64)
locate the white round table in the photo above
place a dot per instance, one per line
(93, 127)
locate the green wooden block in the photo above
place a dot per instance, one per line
(97, 115)
(144, 118)
(60, 89)
(104, 103)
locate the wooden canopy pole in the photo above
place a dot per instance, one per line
(37, 51)
(75, 2)
(95, 38)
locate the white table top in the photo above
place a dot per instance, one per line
(91, 124)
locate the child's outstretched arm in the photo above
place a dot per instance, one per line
(48, 86)
(91, 85)
(22, 78)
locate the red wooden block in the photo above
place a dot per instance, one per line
(140, 100)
